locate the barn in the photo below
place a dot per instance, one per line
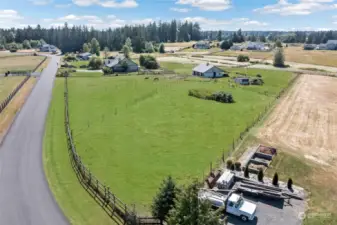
(208, 70)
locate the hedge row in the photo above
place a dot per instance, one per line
(219, 96)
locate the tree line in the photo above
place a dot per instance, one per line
(71, 39)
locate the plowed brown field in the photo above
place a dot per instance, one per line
(305, 121)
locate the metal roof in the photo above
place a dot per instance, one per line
(332, 42)
(202, 68)
(113, 62)
(85, 54)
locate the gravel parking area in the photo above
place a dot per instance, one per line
(275, 212)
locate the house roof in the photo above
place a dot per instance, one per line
(202, 68)
(332, 42)
(113, 62)
(85, 54)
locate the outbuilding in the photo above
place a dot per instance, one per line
(208, 70)
(84, 56)
(242, 80)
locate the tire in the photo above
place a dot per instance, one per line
(244, 218)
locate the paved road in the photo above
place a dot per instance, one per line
(25, 198)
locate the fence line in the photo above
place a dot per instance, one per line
(116, 209)
(236, 142)
(5, 102)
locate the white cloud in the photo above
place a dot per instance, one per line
(211, 24)
(207, 5)
(10, 18)
(182, 10)
(41, 2)
(108, 4)
(302, 7)
(62, 5)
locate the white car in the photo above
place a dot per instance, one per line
(236, 205)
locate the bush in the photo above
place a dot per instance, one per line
(161, 48)
(107, 70)
(275, 179)
(232, 168)
(148, 61)
(229, 163)
(243, 58)
(83, 66)
(218, 96)
(246, 173)
(290, 184)
(225, 45)
(237, 165)
(69, 57)
(260, 175)
(258, 76)
(95, 63)
(62, 73)
(256, 81)
(13, 50)
(279, 58)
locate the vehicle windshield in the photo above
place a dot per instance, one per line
(239, 203)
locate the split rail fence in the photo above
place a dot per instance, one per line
(115, 208)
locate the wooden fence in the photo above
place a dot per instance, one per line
(115, 208)
(12, 94)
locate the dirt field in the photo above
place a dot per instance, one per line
(18, 62)
(305, 121)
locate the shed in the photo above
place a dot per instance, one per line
(84, 56)
(226, 180)
(208, 70)
(242, 80)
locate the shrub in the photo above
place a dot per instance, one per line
(161, 48)
(225, 45)
(95, 63)
(258, 76)
(229, 163)
(218, 96)
(69, 57)
(62, 73)
(243, 58)
(275, 179)
(83, 66)
(290, 184)
(107, 70)
(279, 58)
(232, 167)
(148, 61)
(260, 175)
(246, 173)
(256, 81)
(237, 165)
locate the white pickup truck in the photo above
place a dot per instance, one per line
(233, 204)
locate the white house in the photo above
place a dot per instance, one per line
(202, 45)
(117, 64)
(208, 70)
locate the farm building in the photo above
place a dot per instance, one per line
(202, 45)
(121, 64)
(331, 45)
(321, 47)
(242, 80)
(256, 46)
(208, 70)
(236, 48)
(84, 56)
(309, 46)
(48, 48)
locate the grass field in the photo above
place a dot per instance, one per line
(133, 132)
(77, 64)
(7, 85)
(178, 67)
(18, 63)
(292, 54)
(86, 74)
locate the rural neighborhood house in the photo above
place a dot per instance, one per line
(84, 56)
(118, 64)
(208, 70)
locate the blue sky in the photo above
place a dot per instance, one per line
(211, 14)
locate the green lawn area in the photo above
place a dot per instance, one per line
(133, 132)
(7, 85)
(86, 74)
(183, 69)
(79, 63)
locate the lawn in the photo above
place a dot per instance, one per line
(80, 63)
(133, 132)
(179, 68)
(18, 62)
(7, 85)
(86, 74)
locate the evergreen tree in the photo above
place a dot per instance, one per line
(278, 44)
(260, 175)
(246, 172)
(219, 36)
(126, 51)
(149, 47)
(190, 210)
(279, 58)
(95, 48)
(290, 184)
(275, 179)
(85, 48)
(161, 48)
(26, 44)
(226, 44)
(128, 43)
(163, 202)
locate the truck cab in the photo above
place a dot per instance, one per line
(234, 204)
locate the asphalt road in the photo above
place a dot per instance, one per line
(25, 198)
